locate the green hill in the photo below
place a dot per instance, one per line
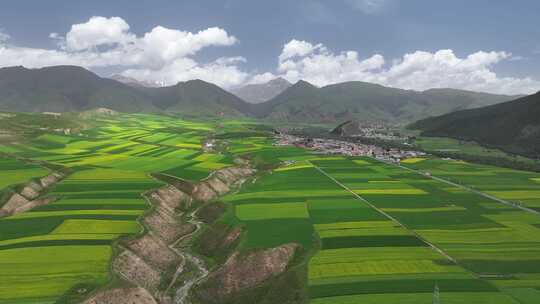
(304, 102)
(65, 89)
(196, 97)
(74, 89)
(512, 126)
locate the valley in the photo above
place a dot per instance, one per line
(310, 227)
(269, 152)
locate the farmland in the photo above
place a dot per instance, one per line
(15, 172)
(379, 233)
(371, 232)
(50, 249)
(519, 187)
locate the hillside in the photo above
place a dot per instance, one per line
(258, 93)
(63, 89)
(73, 89)
(196, 97)
(370, 102)
(512, 126)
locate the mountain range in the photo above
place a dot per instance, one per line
(71, 88)
(512, 126)
(340, 102)
(259, 93)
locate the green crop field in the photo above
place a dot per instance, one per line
(519, 187)
(13, 172)
(379, 247)
(371, 232)
(48, 250)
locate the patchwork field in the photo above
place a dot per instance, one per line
(13, 172)
(371, 232)
(519, 187)
(380, 233)
(51, 249)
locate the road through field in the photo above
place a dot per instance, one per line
(356, 195)
(442, 180)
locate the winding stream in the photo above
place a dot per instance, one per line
(201, 272)
(181, 295)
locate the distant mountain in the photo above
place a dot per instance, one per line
(304, 102)
(512, 126)
(65, 89)
(74, 89)
(196, 97)
(132, 82)
(258, 93)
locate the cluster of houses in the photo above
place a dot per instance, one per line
(339, 147)
(378, 131)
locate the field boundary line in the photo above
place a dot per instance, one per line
(464, 187)
(393, 219)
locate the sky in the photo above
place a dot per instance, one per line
(482, 45)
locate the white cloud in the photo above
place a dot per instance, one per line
(321, 67)
(262, 78)
(168, 44)
(161, 55)
(223, 72)
(297, 48)
(165, 55)
(424, 70)
(98, 31)
(419, 70)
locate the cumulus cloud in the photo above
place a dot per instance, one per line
(167, 45)
(166, 56)
(262, 78)
(161, 55)
(222, 71)
(418, 70)
(297, 48)
(98, 31)
(316, 64)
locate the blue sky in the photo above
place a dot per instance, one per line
(507, 32)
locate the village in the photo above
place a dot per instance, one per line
(340, 147)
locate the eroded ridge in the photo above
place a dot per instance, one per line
(30, 196)
(154, 262)
(244, 271)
